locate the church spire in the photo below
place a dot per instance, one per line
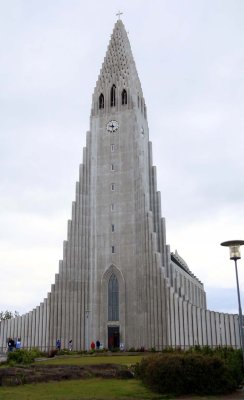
(118, 71)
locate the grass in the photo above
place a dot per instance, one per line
(91, 389)
(99, 389)
(94, 388)
(93, 360)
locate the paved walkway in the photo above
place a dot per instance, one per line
(3, 357)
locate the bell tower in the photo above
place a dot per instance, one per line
(120, 198)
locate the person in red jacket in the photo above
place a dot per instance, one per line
(93, 345)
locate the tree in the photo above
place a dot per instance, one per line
(8, 315)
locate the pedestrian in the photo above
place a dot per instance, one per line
(97, 345)
(93, 345)
(18, 344)
(58, 344)
(10, 344)
(70, 345)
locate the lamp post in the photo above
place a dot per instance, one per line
(235, 254)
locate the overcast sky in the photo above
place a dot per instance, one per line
(190, 60)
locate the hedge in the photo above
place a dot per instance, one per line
(191, 372)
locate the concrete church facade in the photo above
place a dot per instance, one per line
(118, 281)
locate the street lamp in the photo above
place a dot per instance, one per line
(235, 254)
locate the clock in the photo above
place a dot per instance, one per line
(112, 126)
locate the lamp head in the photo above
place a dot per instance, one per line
(234, 246)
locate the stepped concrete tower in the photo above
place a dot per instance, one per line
(118, 282)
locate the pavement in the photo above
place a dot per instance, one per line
(3, 357)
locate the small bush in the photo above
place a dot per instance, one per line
(140, 349)
(52, 353)
(114, 349)
(23, 356)
(152, 350)
(186, 373)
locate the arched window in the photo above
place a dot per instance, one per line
(101, 101)
(124, 97)
(113, 298)
(113, 96)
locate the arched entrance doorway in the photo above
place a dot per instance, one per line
(113, 337)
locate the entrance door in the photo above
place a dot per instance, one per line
(113, 337)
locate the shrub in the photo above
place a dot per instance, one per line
(140, 349)
(23, 356)
(114, 349)
(152, 350)
(232, 358)
(52, 353)
(187, 373)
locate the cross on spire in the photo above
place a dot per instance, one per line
(119, 13)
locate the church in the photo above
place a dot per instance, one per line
(119, 283)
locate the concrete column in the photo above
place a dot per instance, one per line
(222, 327)
(209, 331)
(37, 328)
(190, 325)
(64, 292)
(186, 326)
(1, 336)
(237, 332)
(50, 332)
(232, 331)
(33, 330)
(172, 319)
(43, 326)
(181, 324)
(218, 334)
(199, 326)
(194, 324)
(227, 329)
(41, 338)
(29, 335)
(213, 328)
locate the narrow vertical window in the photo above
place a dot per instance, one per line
(113, 298)
(113, 249)
(138, 101)
(112, 167)
(145, 112)
(112, 207)
(124, 97)
(112, 228)
(112, 186)
(101, 101)
(112, 147)
(113, 96)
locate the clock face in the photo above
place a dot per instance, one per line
(112, 126)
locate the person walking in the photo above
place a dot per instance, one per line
(58, 344)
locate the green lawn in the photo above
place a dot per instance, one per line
(91, 360)
(99, 389)
(92, 389)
